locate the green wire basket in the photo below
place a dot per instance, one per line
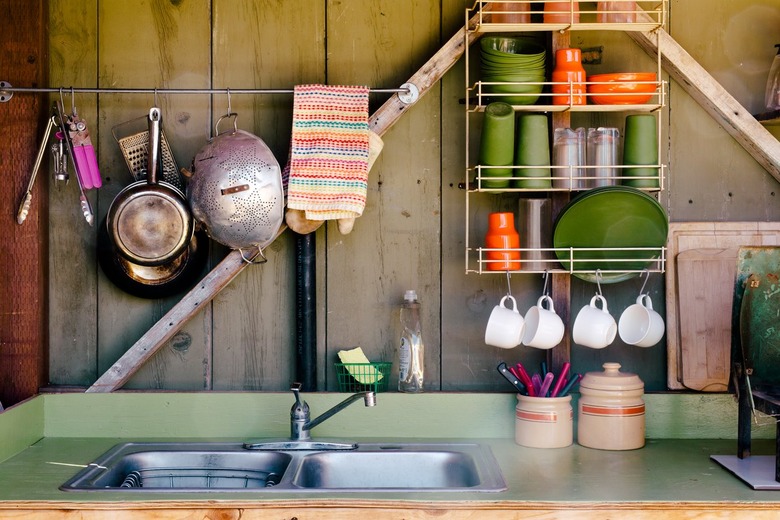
(363, 377)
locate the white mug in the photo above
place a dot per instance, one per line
(543, 327)
(640, 325)
(505, 326)
(594, 327)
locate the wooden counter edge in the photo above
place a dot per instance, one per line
(393, 509)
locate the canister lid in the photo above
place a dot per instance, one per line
(611, 379)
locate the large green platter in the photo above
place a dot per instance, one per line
(610, 217)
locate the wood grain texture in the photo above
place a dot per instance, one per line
(72, 282)
(686, 236)
(23, 261)
(151, 44)
(395, 244)
(718, 102)
(359, 510)
(253, 321)
(705, 288)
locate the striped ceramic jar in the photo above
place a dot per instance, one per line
(544, 422)
(611, 411)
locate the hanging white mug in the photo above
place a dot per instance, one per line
(543, 327)
(594, 327)
(640, 325)
(505, 325)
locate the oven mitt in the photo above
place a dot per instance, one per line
(296, 218)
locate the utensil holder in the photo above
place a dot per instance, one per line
(544, 422)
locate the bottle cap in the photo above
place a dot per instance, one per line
(410, 295)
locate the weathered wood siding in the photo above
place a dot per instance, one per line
(412, 232)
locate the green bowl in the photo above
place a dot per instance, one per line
(517, 47)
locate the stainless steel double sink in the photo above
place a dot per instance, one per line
(220, 467)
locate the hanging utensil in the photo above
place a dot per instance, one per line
(235, 189)
(149, 221)
(160, 281)
(24, 207)
(61, 121)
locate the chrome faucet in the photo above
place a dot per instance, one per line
(300, 416)
(301, 425)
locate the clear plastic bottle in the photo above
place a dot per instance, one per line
(772, 95)
(411, 370)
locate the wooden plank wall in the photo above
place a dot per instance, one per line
(412, 232)
(23, 262)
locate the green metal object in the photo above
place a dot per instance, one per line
(756, 331)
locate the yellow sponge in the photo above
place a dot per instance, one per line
(365, 373)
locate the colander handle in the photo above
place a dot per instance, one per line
(228, 115)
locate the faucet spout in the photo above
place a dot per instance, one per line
(369, 399)
(301, 425)
(300, 419)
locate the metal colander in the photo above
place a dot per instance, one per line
(236, 190)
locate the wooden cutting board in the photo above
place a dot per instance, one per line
(698, 321)
(705, 284)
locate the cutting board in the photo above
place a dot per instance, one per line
(700, 359)
(705, 283)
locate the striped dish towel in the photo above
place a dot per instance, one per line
(328, 166)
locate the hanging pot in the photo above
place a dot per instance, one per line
(149, 222)
(159, 281)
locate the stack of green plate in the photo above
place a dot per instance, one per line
(518, 63)
(610, 217)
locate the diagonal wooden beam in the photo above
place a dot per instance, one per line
(232, 265)
(715, 99)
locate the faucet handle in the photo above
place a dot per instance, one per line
(296, 389)
(299, 410)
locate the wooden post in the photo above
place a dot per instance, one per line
(561, 282)
(23, 262)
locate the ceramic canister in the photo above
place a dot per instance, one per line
(611, 411)
(544, 422)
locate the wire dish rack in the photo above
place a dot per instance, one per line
(363, 377)
(199, 478)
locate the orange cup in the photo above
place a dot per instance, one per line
(502, 235)
(568, 78)
(562, 12)
(510, 12)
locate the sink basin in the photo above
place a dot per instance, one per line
(393, 467)
(181, 467)
(221, 467)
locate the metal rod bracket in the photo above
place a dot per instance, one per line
(5, 95)
(411, 95)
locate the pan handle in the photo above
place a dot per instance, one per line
(155, 120)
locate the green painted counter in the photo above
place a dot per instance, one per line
(673, 472)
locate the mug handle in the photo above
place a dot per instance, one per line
(645, 301)
(603, 301)
(514, 302)
(545, 298)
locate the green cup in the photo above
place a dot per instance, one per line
(532, 149)
(640, 147)
(496, 145)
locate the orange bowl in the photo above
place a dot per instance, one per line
(621, 88)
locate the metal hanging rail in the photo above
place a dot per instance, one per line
(408, 92)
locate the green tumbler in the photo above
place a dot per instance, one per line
(532, 149)
(640, 147)
(496, 145)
